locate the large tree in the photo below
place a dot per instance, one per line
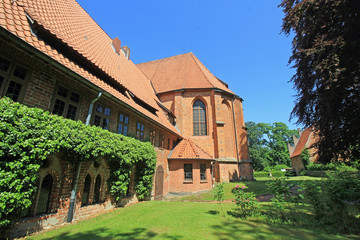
(326, 56)
(268, 143)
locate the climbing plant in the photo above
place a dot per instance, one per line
(29, 135)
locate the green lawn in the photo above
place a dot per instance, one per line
(258, 187)
(179, 220)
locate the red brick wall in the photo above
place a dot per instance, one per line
(177, 182)
(228, 171)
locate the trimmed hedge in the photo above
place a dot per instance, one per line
(29, 135)
(266, 174)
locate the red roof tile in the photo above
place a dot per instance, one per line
(183, 71)
(186, 149)
(69, 22)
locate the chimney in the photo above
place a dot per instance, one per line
(126, 51)
(116, 44)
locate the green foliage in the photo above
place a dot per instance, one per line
(268, 143)
(219, 195)
(325, 55)
(336, 201)
(246, 202)
(285, 193)
(29, 135)
(331, 167)
(266, 174)
(305, 157)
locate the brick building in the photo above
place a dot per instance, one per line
(54, 56)
(306, 140)
(207, 112)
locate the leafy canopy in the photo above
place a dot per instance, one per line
(268, 143)
(326, 56)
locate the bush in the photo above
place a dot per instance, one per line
(29, 135)
(336, 202)
(332, 167)
(246, 202)
(266, 174)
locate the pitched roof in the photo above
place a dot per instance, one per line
(301, 144)
(68, 23)
(186, 149)
(183, 71)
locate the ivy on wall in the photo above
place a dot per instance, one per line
(29, 135)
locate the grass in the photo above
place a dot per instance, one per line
(179, 220)
(258, 187)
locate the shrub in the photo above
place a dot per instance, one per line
(334, 201)
(285, 194)
(266, 174)
(305, 157)
(246, 202)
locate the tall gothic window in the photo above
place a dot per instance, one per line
(45, 193)
(199, 118)
(86, 191)
(96, 198)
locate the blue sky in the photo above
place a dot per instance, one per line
(239, 41)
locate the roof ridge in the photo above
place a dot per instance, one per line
(194, 149)
(161, 59)
(197, 64)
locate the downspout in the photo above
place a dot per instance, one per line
(236, 141)
(78, 167)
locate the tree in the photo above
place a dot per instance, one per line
(279, 136)
(258, 144)
(268, 143)
(305, 157)
(326, 56)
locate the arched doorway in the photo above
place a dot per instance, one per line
(159, 182)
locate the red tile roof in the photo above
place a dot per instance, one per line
(301, 144)
(70, 24)
(186, 149)
(183, 71)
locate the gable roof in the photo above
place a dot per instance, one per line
(186, 149)
(79, 41)
(302, 143)
(183, 71)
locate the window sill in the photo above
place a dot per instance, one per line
(203, 181)
(188, 181)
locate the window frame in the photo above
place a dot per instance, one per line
(188, 179)
(97, 189)
(9, 77)
(140, 131)
(152, 136)
(197, 112)
(203, 177)
(123, 124)
(83, 203)
(48, 200)
(102, 115)
(162, 140)
(67, 100)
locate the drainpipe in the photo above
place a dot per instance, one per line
(236, 142)
(78, 167)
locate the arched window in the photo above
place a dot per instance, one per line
(45, 193)
(86, 192)
(199, 118)
(97, 189)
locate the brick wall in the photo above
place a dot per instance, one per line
(177, 182)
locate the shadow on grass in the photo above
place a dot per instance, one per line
(257, 229)
(101, 233)
(213, 212)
